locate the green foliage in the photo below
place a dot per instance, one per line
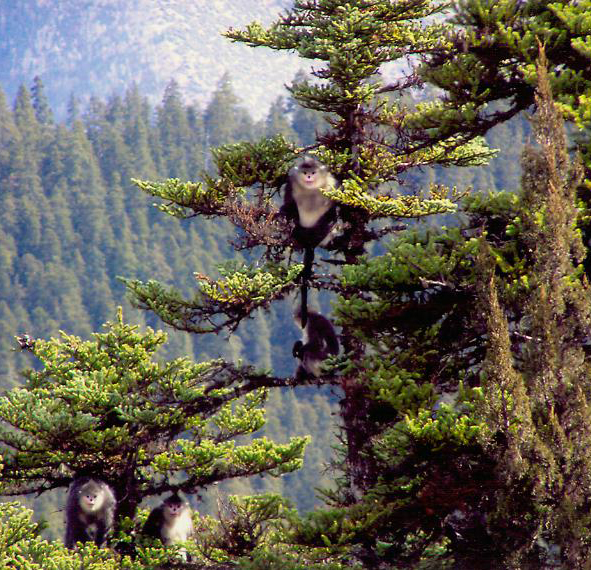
(105, 407)
(183, 195)
(495, 49)
(243, 529)
(241, 165)
(410, 335)
(241, 290)
(22, 548)
(352, 193)
(541, 402)
(261, 163)
(72, 221)
(244, 284)
(500, 305)
(464, 397)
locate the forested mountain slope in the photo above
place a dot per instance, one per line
(72, 222)
(99, 48)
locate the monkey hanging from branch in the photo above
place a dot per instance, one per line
(90, 511)
(313, 213)
(320, 341)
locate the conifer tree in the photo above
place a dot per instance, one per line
(424, 441)
(106, 408)
(173, 132)
(368, 147)
(307, 123)
(41, 105)
(477, 420)
(494, 48)
(545, 415)
(278, 121)
(225, 120)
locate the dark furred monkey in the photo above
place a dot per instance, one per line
(303, 202)
(90, 511)
(171, 522)
(320, 342)
(313, 213)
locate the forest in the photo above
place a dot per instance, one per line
(150, 276)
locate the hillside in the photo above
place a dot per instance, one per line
(101, 47)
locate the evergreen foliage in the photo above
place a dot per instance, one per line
(477, 422)
(54, 278)
(464, 407)
(104, 408)
(493, 58)
(372, 142)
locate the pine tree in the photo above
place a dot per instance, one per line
(307, 123)
(277, 122)
(106, 408)
(371, 141)
(173, 132)
(41, 105)
(225, 121)
(494, 49)
(477, 421)
(551, 404)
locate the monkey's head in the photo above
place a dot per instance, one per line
(91, 497)
(310, 173)
(174, 506)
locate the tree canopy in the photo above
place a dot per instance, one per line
(463, 376)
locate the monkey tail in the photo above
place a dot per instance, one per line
(306, 274)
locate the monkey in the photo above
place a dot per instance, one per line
(90, 511)
(171, 522)
(320, 341)
(313, 213)
(303, 202)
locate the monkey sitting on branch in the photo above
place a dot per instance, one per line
(171, 522)
(313, 213)
(320, 341)
(90, 511)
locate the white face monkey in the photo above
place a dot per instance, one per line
(90, 511)
(320, 341)
(171, 521)
(313, 214)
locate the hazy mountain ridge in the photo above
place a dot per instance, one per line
(103, 46)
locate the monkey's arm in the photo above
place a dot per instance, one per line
(153, 524)
(76, 531)
(289, 209)
(297, 349)
(314, 348)
(331, 340)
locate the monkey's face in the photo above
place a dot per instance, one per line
(173, 510)
(310, 177)
(91, 499)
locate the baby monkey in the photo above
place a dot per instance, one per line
(320, 341)
(171, 522)
(90, 511)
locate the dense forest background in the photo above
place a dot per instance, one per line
(72, 222)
